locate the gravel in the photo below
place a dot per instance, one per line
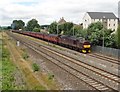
(64, 79)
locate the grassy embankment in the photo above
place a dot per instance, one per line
(14, 61)
(47, 79)
(34, 78)
(7, 68)
(0, 60)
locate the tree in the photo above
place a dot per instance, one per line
(68, 28)
(36, 29)
(118, 36)
(9, 27)
(32, 24)
(97, 33)
(53, 28)
(17, 24)
(44, 26)
(78, 31)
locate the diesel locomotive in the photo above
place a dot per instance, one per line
(79, 44)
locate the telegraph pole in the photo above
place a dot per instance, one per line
(73, 31)
(57, 29)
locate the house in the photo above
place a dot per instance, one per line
(109, 20)
(61, 21)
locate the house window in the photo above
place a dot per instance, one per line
(85, 20)
(109, 25)
(114, 25)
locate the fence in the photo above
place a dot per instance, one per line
(107, 51)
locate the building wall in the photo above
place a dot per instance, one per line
(86, 21)
(96, 20)
(119, 10)
(110, 23)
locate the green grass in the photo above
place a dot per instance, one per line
(25, 55)
(50, 76)
(35, 67)
(0, 64)
(40, 87)
(7, 70)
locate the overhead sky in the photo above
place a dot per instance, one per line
(47, 11)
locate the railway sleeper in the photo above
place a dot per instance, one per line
(107, 81)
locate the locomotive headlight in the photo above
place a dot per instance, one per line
(86, 46)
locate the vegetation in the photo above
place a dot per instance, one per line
(35, 67)
(65, 29)
(96, 33)
(44, 26)
(118, 37)
(36, 29)
(17, 24)
(53, 28)
(25, 56)
(7, 71)
(40, 87)
(50, 76)
(32, 25)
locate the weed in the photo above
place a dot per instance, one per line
(50, 76)
(25, 56)
(40, 87)
(35, 67)
(54, 45)
(7, 71)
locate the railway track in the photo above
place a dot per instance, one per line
(99, 85)
(106, 58)
(109, 72)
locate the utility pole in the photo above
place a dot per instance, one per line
(73, 31)
(103, 38)
(103, 31)
(57, 29)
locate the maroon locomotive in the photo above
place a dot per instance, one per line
(79, 44)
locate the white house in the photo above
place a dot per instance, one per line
(109, 20)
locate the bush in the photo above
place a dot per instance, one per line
(35, 67)
(50, 76)
(25, 56)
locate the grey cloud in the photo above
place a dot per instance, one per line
(47, 11)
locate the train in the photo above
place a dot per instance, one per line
(78, 44)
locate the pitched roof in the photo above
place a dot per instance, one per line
(61, 21)
(100, 15)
